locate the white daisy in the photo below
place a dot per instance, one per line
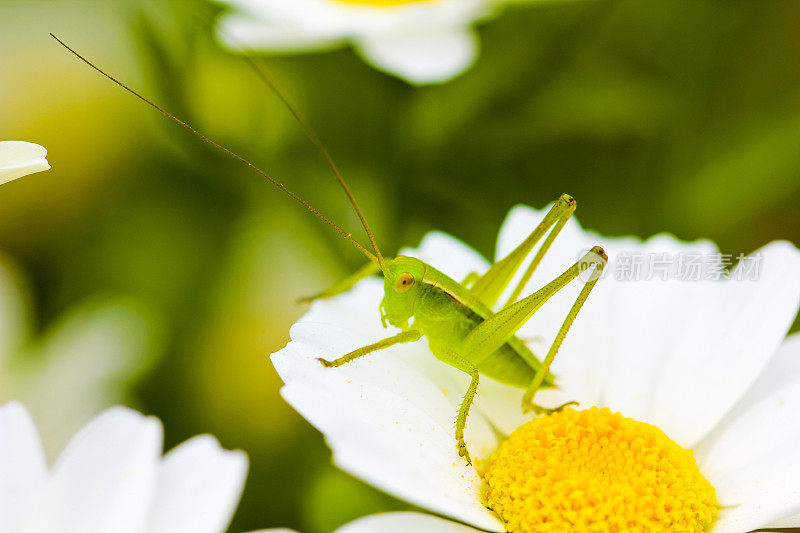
(97, 347)
(20, 158)
(705, 361)
(111, 477)
(421, 41)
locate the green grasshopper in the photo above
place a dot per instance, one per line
(457, 318)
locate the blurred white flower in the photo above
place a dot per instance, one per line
(421, 41)
(111, 477)
(89, 355)
(707, 362)
(20, 158)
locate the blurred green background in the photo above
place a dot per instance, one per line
(679, 116)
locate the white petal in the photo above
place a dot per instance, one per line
(751, 458)
(94, 349)
(105, 478)
(385, 421)
(755, 446)
(433, 56)
(759, 425)
(403, 523)
(423, 42)
(22, 464)
(783, 370)
(236, 31)
(770, 506)
(722, 352)
(333, 17)
(789, 521)
(410, 456)
(646, 320)
(20, 158)
(198, 488)
(356, 310)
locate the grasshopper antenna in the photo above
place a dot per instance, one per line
(234, 155)
(314, 138)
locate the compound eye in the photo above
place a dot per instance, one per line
(404, 282)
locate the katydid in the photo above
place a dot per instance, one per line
(459, 324)
(456, 317)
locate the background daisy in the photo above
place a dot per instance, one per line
(89, 355)
(111, 477)
(421, 41)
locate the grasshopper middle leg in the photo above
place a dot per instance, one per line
(453, 358)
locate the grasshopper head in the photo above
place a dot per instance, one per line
(402, 281)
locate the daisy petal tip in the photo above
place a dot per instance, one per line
(117, 426)
(203, 453)
(781, 247)
(120, 414)
(15, 409)
(17, 425)
(20, 158)
(16, 422)
(206, 449)
(422, 59)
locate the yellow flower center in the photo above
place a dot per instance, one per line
(383, 3)
(596, 471)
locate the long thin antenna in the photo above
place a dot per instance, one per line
(236, 156)
(312, 135)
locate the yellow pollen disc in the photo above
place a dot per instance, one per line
(596, 471)
(383, 3)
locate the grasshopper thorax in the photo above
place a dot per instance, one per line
(402, 282)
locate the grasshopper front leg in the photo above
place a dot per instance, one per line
(405, 336)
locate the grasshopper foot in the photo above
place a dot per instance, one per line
(325, 362)
(540, 410)
(462, 451)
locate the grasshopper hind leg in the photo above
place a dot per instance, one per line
(470, 279)
(596, 258)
